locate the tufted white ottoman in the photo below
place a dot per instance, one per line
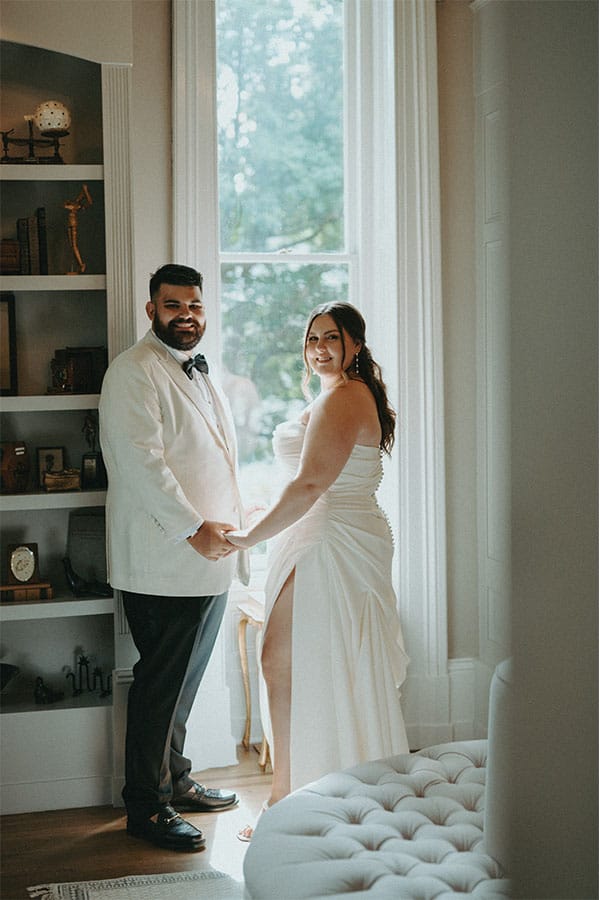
(406, 827)
(410, 827)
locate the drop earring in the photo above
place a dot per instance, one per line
(356, 368)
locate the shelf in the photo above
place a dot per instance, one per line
(49, 403)
(36, 283)
(57, 500)
(52, 172)
(86, 700)
(56, 609)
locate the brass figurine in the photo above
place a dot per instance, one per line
(81, 202)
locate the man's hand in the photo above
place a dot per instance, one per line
(210, 541)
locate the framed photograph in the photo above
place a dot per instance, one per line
(49, 459)
(8, 346)
(93, 473)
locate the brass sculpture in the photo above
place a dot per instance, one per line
(81, 202)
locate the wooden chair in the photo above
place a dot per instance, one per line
(251, 613)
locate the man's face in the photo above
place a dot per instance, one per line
(178, 316)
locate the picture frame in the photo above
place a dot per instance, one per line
(93, 472)
(49, 459)
(8, 346)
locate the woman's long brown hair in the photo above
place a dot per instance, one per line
(347, 318)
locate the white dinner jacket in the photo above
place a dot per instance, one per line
(168, 466)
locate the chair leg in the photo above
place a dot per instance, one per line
(265, 754)
(243, 650)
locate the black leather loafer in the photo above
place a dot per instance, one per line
(168, 830)
(202, 799)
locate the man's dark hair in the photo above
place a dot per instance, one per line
(174, 274)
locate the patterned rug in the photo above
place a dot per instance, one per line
(208, 885)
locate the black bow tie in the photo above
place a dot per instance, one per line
(195, 362)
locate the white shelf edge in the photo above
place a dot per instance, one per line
(57, 500)
(49, 402)
(45, 172)
(88, 701)
(41, 283)
(56, 609)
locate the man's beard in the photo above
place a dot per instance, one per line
(178, 340)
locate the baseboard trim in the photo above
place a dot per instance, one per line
(71, 793)
(443, 708)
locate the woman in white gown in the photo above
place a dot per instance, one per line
(332, 650)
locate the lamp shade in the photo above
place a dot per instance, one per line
(52, 116)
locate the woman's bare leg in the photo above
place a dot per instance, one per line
(276, 661)
(277, 671)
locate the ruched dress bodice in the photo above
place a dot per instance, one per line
(348, 658)
(360, 477)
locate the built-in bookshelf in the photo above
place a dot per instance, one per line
(62, 324)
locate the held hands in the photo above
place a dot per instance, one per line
(210, 541)
(240, 539)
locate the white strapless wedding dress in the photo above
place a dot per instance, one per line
(348, 656)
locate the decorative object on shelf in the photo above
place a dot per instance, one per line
(53, 474)
(43, 694)
(23, 563)
(70, 674)
(83, 665)
(97, 681)
(97, 678)
(82, 588)
(8, 346)
(49, 459)
(93, 472)
(33, 243)
(10, 258)
(14, 467)
(24, 583)
(7, 673)
(52, 119)
(78, 370)
(86, 544)
(79, 204)
(67, 480)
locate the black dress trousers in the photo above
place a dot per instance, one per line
(174, 637)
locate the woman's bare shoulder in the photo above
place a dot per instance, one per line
(351, 397)
(353, 400)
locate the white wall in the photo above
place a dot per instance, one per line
(553, 56)
(98, 30)
(151, 144)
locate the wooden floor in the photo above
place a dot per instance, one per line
(89, 844)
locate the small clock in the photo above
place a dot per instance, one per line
(23, 564)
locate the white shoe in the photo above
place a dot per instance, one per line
(248, 830)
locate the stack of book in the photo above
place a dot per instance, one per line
(33, 245)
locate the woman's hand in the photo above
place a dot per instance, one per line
(240, 539)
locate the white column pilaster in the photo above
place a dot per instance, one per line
(118, 199)
(421, 560)
(195, 168)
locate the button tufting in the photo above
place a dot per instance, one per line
(421, 835)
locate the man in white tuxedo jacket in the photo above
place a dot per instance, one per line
(169, 448)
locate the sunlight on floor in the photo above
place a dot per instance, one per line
(223, 849)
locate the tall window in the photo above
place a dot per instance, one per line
(285, 193)
(283, 228)
(379, 244)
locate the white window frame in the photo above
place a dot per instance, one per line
(393, 199)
